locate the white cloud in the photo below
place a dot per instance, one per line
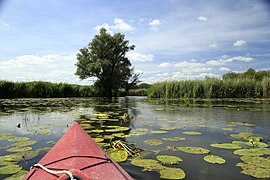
(224, 69)
(154, 24)
(165, 64)
(239, 43)
(118, 25)
(121, 25)
(220, 62)
(163, 75)
(213, 45)
(202, 18)
(134, 56)
(186, 64)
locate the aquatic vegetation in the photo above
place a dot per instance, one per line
(225, 145)
(142, 129)
(166, 159)
(257, 161)
(193, 150)
(191, 132)
(214, 159)
(174, 139)
(98, 140)
(172, 173)
(10, 169)
(119, 155)
(153, 142)
(249, 152)
(158, 132)
(24, 143)
(254, 170)
(255, 144)
(18, 139)
(227, 129)
(30, 154)
(19, 175)
(12, 157)
(168, 128)
(97, 131)
(246, 136)
(19, 149)
(146, 163)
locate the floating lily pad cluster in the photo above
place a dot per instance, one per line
(154, 165)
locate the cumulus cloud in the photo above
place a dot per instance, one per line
(134, 56)
(119, 25)
(165, 64)
(213, 45)
(224, 69)
(220, 62)
(239, 43)
(154, 24)
(202, 18)
(33, 67)
(186, 64)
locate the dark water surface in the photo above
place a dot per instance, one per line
(46, 122)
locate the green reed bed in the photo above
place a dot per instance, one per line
(211, 88)
(40, 89)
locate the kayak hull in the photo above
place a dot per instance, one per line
(78, 153)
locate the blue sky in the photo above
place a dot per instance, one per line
(174, 39)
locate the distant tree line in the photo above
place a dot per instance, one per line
(40, 89)
(249, 84)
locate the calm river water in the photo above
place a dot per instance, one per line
(47, 120)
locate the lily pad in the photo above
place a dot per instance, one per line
(18, 139)
(19, 175)
(169, 159)
(249, 152)
(168, 128)
(255, 144)
(191, 132)
(97, 131)
(144, 162)
(12, 157)
(10, 169)
(226, 146)
(24, 143)
(98, 140)
(158, 132)
(193, 150)
(153, 142)
(254, 171)
(172, 173)
(142, 129)
(245, 136)
(227, 129)
(30, 154)
(257, 161)
(174, 139)
(19, 149)
(119, 155)
(214, 159)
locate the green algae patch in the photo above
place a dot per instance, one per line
(225, 145)
(18, 176)
(158, 132)
(174, 139)
(166, 159)
(172, 173)
(193, 150)
(214, 159)
(153, 142)
(10, 169)
(119, 155)
(191, 132)
(254, 170)
(19, 149)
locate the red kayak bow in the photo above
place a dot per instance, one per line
(76, 155)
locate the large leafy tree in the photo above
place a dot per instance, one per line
(105, 58)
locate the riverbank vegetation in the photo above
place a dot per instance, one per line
(40, 89)
(250, 84)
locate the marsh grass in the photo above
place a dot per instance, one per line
(211, 88)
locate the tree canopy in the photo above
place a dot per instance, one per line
(105, 58)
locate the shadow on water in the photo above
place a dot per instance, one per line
(46, 120)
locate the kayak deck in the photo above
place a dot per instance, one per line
(78, 153)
